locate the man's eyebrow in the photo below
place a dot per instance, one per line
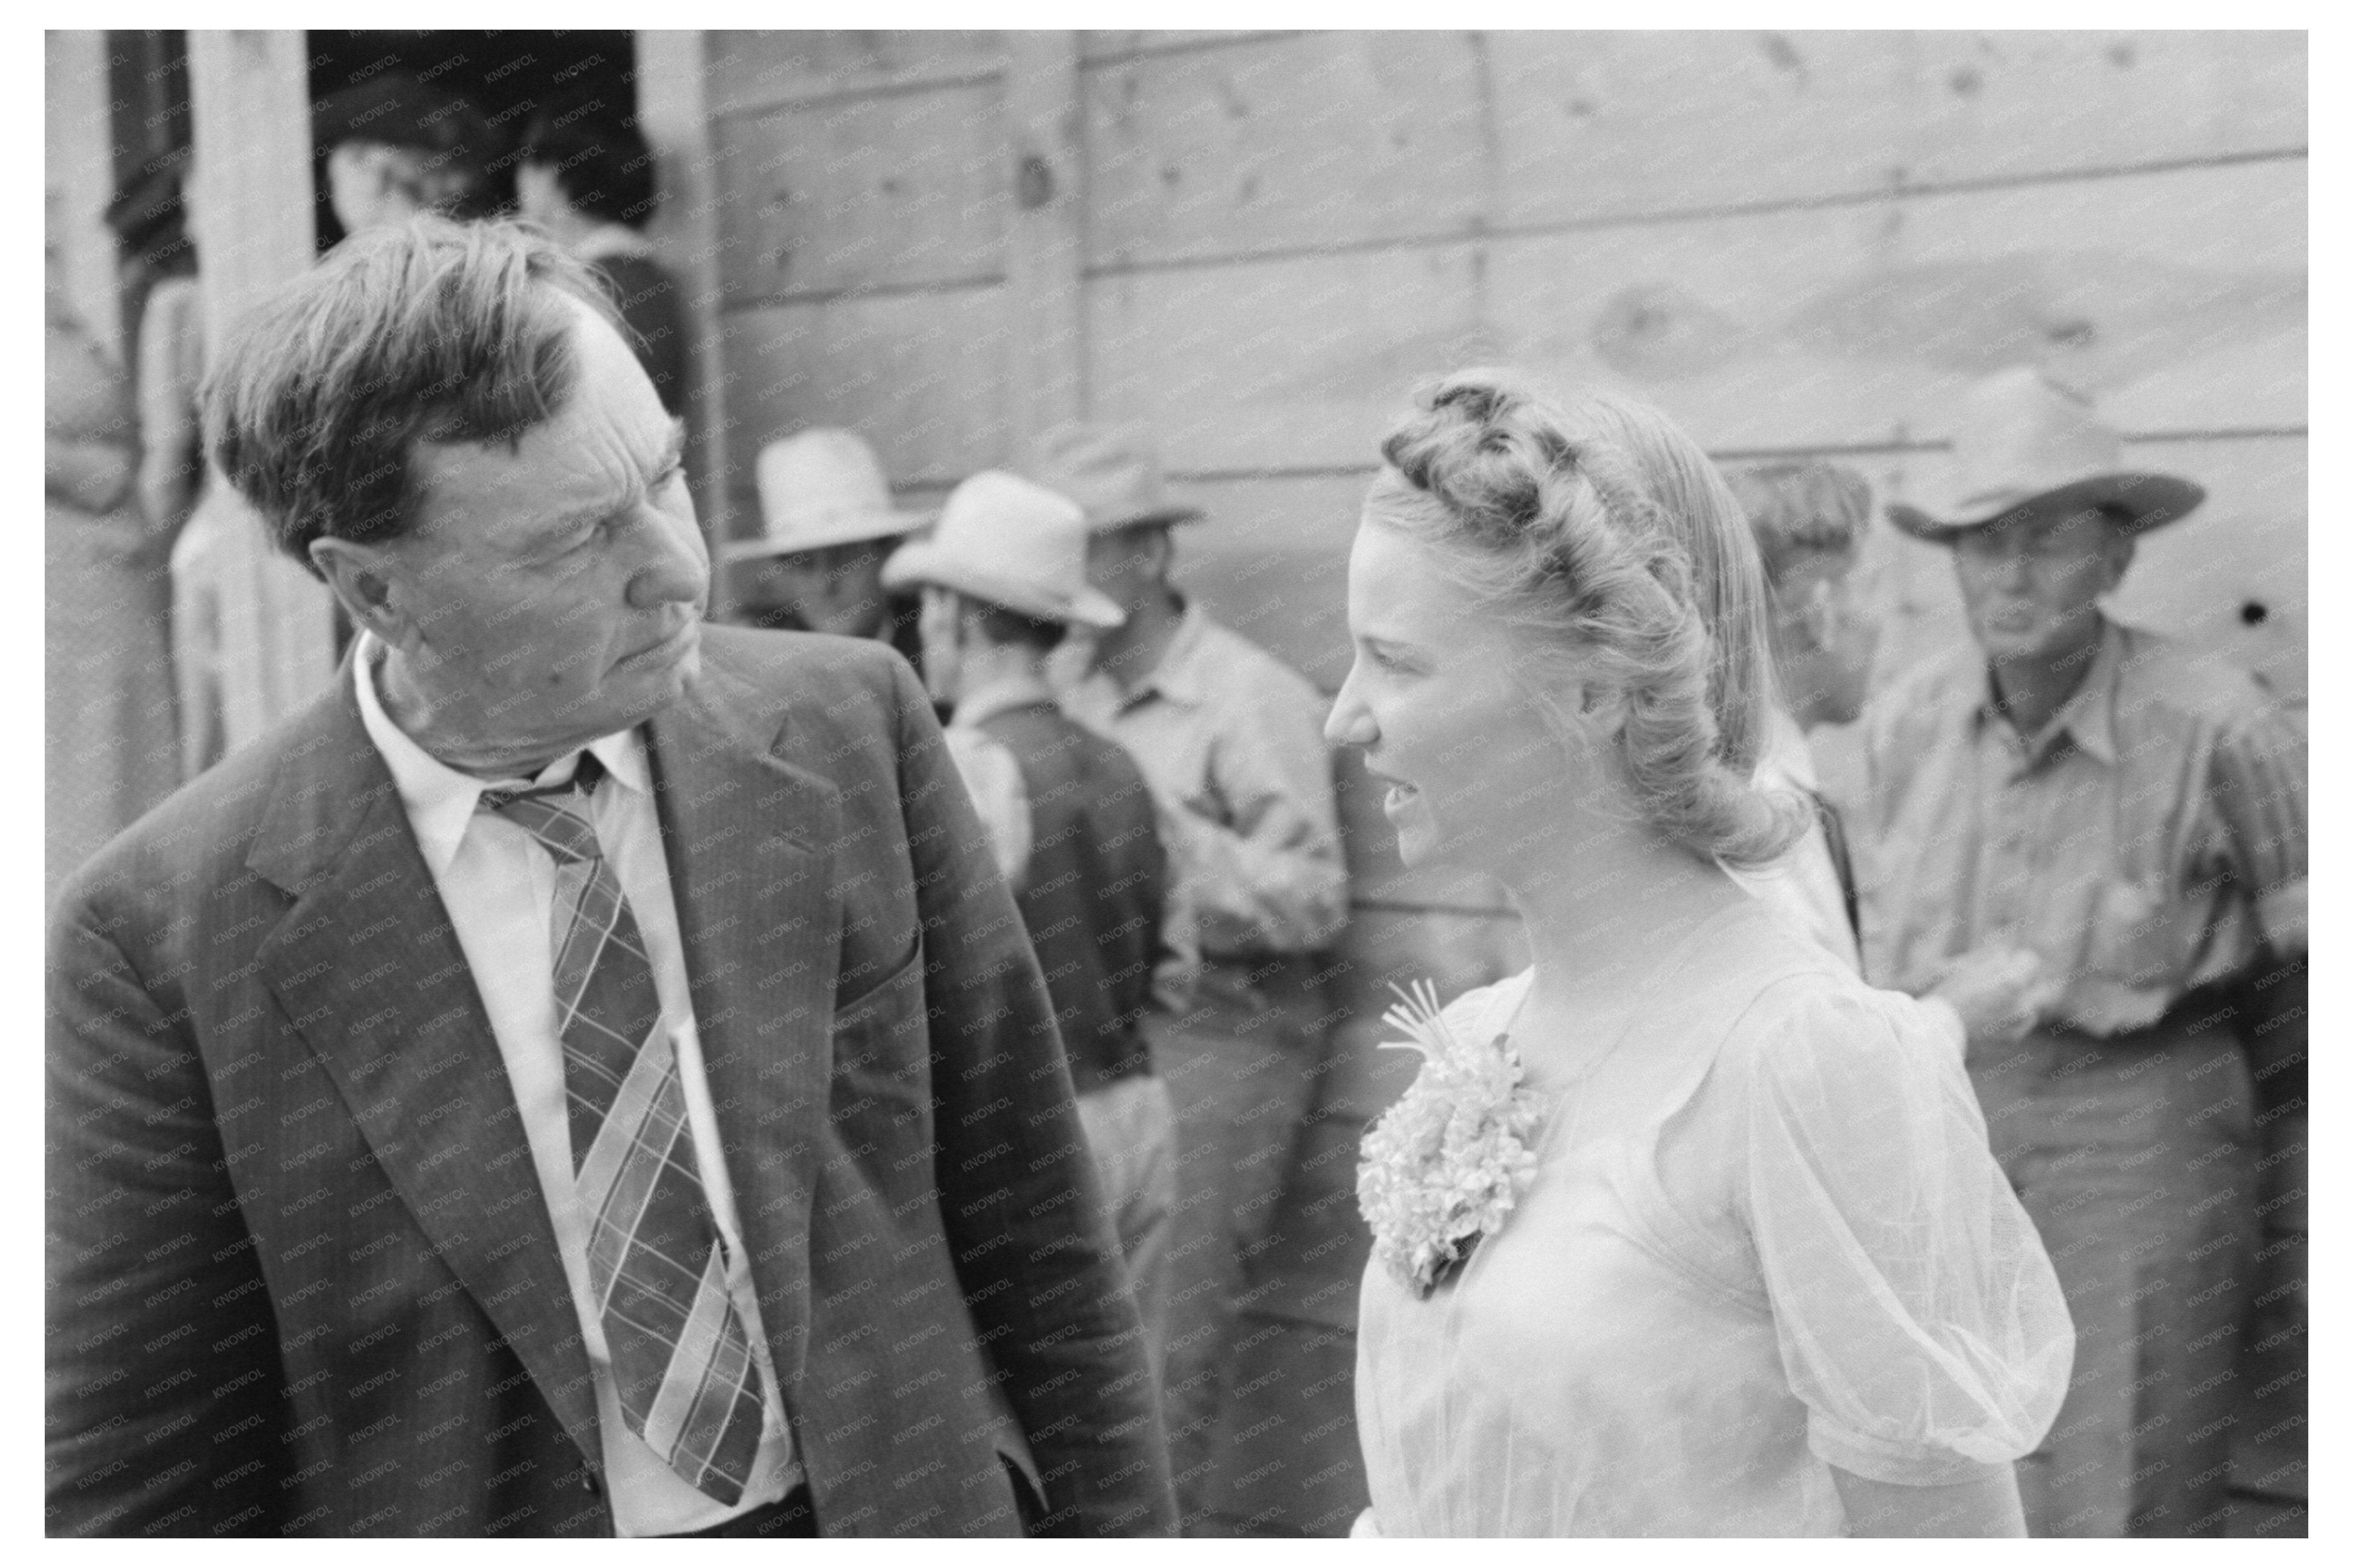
(672, 453)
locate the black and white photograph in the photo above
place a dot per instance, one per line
(1341, 783)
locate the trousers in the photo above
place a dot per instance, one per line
(1131, 1127)
(1243, 1068)
(2134, 1158)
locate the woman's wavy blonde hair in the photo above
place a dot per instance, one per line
(1604, 535)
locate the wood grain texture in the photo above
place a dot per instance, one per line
(1597, 125)
(893, 191)
(1320, 139)
(1106, 46)
(2177, 298)
(1045, 378)
(920, 376)
(752, 70)
(1334, 139)
(673, 113)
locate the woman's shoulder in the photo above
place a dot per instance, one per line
(1821, 1026)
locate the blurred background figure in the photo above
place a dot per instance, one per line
(392, 147)
(395, 146)
(827, 524)
(150, 221)
(107, 696)
(1071, 820)
(587, 176)
(1231, 741)
(1809, 519)
(2133, 815)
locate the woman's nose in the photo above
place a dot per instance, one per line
(1349, 723)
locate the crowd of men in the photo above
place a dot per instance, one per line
(597, 1071)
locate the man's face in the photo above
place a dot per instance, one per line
(2032, 581)
(837, 589)
(1127, 565)
(1826, 637)
(556, 585)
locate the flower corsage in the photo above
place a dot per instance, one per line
(1446, 1163)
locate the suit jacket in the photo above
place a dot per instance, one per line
(301, 1277)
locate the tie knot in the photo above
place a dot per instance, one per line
(552, 813)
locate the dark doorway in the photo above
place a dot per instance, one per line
(506, 75)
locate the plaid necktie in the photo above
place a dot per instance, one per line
(680, 1360)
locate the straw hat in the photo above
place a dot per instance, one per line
(1111, 471)
(2024, 437)
(1012, 543)
(818, 488)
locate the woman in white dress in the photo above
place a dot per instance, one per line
(1747, 1266)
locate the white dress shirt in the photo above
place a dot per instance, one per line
(498, 883)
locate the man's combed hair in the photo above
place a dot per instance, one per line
(432, 331)
(1604, 535)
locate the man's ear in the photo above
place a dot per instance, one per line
(366, 584)
(1160, 549)
(1817, 614)
(2119, 557)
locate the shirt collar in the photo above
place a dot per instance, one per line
(2088, 717)
(440, 799)
(1177, 676)
(1020, 689)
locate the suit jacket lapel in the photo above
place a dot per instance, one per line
(368, 967)
(748, 839)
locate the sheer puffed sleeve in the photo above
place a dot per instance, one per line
(1918, 1316)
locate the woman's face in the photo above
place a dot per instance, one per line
(1475, 776)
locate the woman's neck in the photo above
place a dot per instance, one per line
(1603, 911)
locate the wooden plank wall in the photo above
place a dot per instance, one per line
(1795, 243)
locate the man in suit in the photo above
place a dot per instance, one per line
(584, 1074)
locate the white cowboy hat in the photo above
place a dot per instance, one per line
(819, 488)
(1010, 543)
(2023, 438)
(1111, 471)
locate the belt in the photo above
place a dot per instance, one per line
(792, 1514)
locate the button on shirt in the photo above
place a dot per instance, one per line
(1231, 742)
(2152, 839)
(498, 883)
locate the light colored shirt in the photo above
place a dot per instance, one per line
(1231, 742)
(991, 774)
(1803, 885)
(498, 883)
(2149, 840)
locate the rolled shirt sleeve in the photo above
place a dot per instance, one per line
(1919, 1316)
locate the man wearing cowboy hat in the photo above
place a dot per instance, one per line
(1070, 820)
(2133, 815)
(827, 524)
(1231, 741)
